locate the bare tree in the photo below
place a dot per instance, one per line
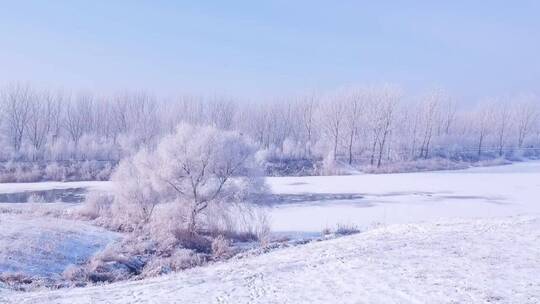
(526, 115)
(503, 121)
(429, 119)
(448, 115)
(383, 103)
(483, 121)
(307, 107)
(331, 116)
(352, 119)
(388, 100)
(79, 118)
(17, 101)
(44, 119)
(221, 113)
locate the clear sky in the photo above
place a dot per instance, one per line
(261, 48)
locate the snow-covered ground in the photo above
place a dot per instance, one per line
(45, 246)
(467, 236)
(453, 261)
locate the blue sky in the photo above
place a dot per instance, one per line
(272, 48)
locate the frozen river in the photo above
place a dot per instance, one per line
(310, 204)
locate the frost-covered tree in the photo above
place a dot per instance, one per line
(307, 107)
(430, 112)
(483, 122)
(527, 112)
(135, 196)
(503, 122)
(43, 122)
(195, 168)
(332, 116)
(17, 101)
(204, 166)
(352, 120)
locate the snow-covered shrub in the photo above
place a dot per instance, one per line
(221, 247)
(27, 174)
(347, 229)
(330, 166)
(195, 168)
(135, 196)
(95, 205)
(180, 204)
(431, 164)
(87, 170)
(292, 159)
(118, 261)
(16, 280)
(180, 259)
(197, 242)
(105, 172)
(239, 222)
(492, 162)
(55, 172)
(75, 274)
(340, 230)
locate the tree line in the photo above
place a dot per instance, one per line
(365, 125)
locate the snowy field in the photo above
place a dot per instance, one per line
(455, 261)
(310, 204)
(467, 236)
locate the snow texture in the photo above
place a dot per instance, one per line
(457, 261)
(310, 204)
(468, 236)
(45, 246)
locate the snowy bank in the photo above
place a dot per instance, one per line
(457, 261)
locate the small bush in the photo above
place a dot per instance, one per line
(347, 229)
(180, 259)
(196, 242)
(55, 172)
(75, 274)
(20, 281)
(95, 205)
(221, 247)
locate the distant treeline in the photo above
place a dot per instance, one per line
(365, 126)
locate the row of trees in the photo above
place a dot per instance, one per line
(369, 125)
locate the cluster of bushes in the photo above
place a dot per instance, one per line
(432, 164)
(184, 204)
(11, 172)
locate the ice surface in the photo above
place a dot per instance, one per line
(404, 198)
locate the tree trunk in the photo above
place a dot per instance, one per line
(192, 222)
(350, 148)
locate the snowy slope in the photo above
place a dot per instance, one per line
(45, 246)
(458, 261)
